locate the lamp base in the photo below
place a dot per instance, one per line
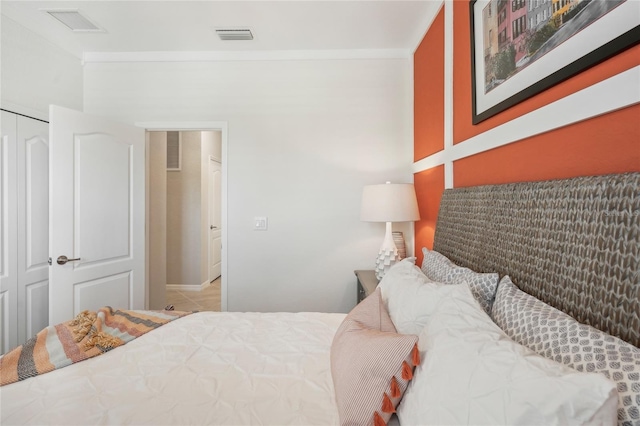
(385, 260)
(388, 254)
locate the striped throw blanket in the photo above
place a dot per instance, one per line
(89, 334)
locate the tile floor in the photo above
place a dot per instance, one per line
(207, 299)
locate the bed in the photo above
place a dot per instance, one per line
(573, 244)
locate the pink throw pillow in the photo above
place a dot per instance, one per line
(371, 364)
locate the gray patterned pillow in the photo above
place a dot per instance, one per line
(555, 335)
(439, 268)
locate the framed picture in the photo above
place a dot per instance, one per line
(522, 47)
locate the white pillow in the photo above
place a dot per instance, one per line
(472, 373)
(398, 274)
(410, 297)
(555, 335)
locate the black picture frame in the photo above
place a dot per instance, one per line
(627, 37)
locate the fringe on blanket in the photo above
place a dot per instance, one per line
(89, 334)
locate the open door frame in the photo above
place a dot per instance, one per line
(221, 126)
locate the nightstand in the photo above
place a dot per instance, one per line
(367, 283)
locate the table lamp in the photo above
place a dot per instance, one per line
(390, 202)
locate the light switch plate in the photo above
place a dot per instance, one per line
(260, 223)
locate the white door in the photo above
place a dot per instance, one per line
(97, 197)
(33, 227)
(8, 232)
(215, 222)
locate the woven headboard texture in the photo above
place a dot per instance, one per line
(573, 243)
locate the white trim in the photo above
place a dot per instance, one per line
(619, 91)
(448, 175)
(222, 126)
(434, 160)
(188, 287)
(448, 90)
(255, 55)
(168, 126)
(147, 203)
(412, 113)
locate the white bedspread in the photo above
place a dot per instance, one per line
(207, 368)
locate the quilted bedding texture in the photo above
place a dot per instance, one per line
(206, 368)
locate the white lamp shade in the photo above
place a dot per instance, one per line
(390, 202)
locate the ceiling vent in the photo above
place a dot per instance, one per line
(74, 20)
(234, 34)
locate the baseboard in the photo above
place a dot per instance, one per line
(189, 287)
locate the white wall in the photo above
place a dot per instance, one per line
(36, 73)
(183, 215)
(303, 139)
(157, 207)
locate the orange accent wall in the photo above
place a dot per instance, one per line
(429, 186)
(609, 143)
(606, 144)
(428, 80)
(463, 128)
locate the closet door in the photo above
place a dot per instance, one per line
(8, 232)
(33, 227)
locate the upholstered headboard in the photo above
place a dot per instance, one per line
(572, 243)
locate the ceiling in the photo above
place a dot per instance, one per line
(189, 26)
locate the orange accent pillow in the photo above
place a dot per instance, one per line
(371, 364)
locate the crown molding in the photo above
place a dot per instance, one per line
(249, 55)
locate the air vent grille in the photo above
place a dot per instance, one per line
(234, 34)
(74, 20)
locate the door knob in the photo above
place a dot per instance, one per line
(64, 259)
(213, 227)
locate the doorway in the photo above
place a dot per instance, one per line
(185, 266)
